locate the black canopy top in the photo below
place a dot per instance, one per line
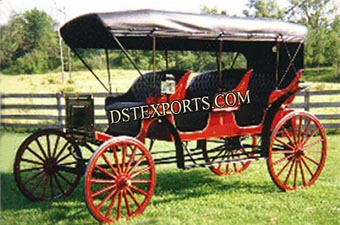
(135, 29)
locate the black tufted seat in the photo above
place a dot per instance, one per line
(206, 84)
(261, 84)
(136, 96)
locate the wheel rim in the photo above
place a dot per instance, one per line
(297, 151)
(219, 150)
(119, 180)
(44, 167)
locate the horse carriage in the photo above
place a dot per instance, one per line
(221, 119)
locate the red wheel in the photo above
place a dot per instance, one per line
(236, 148)
(45, 167)
(297, 151)
(119, 180)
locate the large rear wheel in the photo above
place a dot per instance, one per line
(119, 180)
(297, 151)
(45, 166)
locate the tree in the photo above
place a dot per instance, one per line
(264, 8)
(29, 44)
(333, 45)
(315, 15)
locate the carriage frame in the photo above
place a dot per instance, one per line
(120, 175)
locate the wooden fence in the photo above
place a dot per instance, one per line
(31, 111)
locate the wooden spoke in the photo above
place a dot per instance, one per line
(133, 197)
(127, 204)
(284, 143)
(109, 210)
(101, 169)
(302, 173)
(48, 146)
(138, 190)
(121, 188)
(41, 148)
(102, 181)
(55, 147)
(31, 161)
(136, 164)
(283, 159)
(32, 177)
(103, 190)
(223, 157)
(289, 173)
(284, 168)
(140, 171)
(110, 165)
(35, 154)
(132, 157)
(303, 168)
(119, 206)
(100, 205)
(116, 159)
(288, 136)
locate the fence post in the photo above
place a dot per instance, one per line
(306, 100)
(60, 109)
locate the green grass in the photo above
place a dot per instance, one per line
(189, 197)
(323, 74)
(83, 81)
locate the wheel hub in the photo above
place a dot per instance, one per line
(123, 182)
(50, 166)
(299, 151)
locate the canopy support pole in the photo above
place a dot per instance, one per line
(89, 68)
(108, 70)
(277, 62)
(154, 59)
(220, 63)
(234, 60)
(166, 59)
(130, 59)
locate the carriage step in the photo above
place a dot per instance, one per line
(197, 165)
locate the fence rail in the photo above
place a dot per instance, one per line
(48, 110)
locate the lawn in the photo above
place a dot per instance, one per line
(83, 81)
(189, 197)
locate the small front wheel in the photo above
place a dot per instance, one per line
(297, 151)
(119, 180)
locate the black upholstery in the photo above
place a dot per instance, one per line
(260, 87)
(140, 90)
(206, 84)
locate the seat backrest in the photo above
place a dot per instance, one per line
(141, 90)
(260, 86)
(207, 83)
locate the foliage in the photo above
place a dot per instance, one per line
(29, 44)
(264, 8)
(29, 41)
(323, 40)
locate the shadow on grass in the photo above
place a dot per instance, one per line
(172, 185)
(178, 185)
(71, 208)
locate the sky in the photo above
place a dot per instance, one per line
(63, 10)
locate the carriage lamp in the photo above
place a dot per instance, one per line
(168, 85)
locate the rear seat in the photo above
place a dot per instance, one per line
(261, 84)
(206, 84)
